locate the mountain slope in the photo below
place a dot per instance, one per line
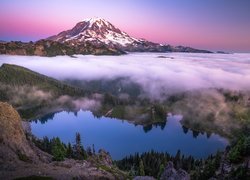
(14, 75)
(98, 31)
(35, 95)
(94, 30)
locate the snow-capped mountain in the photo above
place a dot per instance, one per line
(99, 32)
(95, 30)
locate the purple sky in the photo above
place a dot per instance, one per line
(208, 24)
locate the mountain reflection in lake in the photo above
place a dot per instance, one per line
(121, 138)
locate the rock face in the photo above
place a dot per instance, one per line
(170, 173)
(13, 143)
(105, 157)
(144, 178)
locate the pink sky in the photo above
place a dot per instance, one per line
(207, 24)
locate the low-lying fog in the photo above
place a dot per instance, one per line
(173, 73)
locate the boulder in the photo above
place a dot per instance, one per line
(170, 173)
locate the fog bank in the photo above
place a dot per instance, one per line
(178, 72)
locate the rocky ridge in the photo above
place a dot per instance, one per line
(52, 48)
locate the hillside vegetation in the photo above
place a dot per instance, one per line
(32, 93)
(14, 75)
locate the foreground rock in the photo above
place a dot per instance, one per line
(20, 158)
(170, 173)
(13, 143)
(144, 178)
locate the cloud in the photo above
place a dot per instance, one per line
(156, 75)
(27, 94)
(80, 103)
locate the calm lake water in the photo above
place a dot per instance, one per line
(121, 138)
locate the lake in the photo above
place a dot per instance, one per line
(158, 78)
(121, 138)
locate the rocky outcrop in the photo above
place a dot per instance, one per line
(105, 158)
(170, 173)
(144, 178)
(13, 143)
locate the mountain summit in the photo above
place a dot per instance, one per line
(99, 32)
(94, 30)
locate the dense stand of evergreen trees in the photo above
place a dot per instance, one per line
(240, 149)
(153, 163)
(60, 150)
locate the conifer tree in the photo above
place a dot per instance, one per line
(141, 168)
(69, 152)
(79, 152)
(58, 150)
